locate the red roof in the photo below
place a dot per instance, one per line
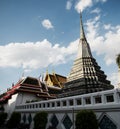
(28, 84)
(10, 92)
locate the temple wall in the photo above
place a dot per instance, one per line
(62, 111)
(17, 99)
(24, 97)
(10, 105)
(59, 117)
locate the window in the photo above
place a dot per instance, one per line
(71, 102)
(78, 101)
(98, 99)
(109, 98)
(33, 106)
(58, 104)
(44, 105)
(64, 103)
(53, 104)
(48, 105)
(36, 106)
(39, 105)
(87, 101)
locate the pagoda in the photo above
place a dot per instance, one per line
(86, 75)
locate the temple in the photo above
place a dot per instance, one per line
(54, 83)
(26, 90)
(30, 86)
(86, 75)
(30, 89)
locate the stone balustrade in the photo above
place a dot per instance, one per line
(90, 101)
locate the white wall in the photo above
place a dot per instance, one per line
(11, 104)
(23, 97)
(17, 99)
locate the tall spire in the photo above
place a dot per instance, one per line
(83, 47)
(82, 34)
(86, 75)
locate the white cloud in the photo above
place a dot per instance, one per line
(47, 24)
(104, 0)
(114, 79)
(82, 4)
(101, 1)
(32, 55)
(104, 41)
(68, 5)
(107, 26)
(107, 43)
(97, 10)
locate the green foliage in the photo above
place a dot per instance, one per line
(3, 117)
(14, 120)
(86, 119)
(30, 101)
(118, 60)
(27, 101)
(34, 101)
(40, 120)
(2, 108)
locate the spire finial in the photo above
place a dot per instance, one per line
(46, 71)
(53, 71)
(82, 34)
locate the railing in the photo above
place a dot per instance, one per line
(103, 98)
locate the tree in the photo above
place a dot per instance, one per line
(2, 108)
(118, 60)
(3, 117)
(14, 120)
(86, 119)
(40, 120)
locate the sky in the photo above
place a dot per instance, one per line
(43, 35)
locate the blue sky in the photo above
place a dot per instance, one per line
(40, 35)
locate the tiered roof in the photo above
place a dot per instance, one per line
(86, 75)
(55, 83)
(27, 85)
(55, 80)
